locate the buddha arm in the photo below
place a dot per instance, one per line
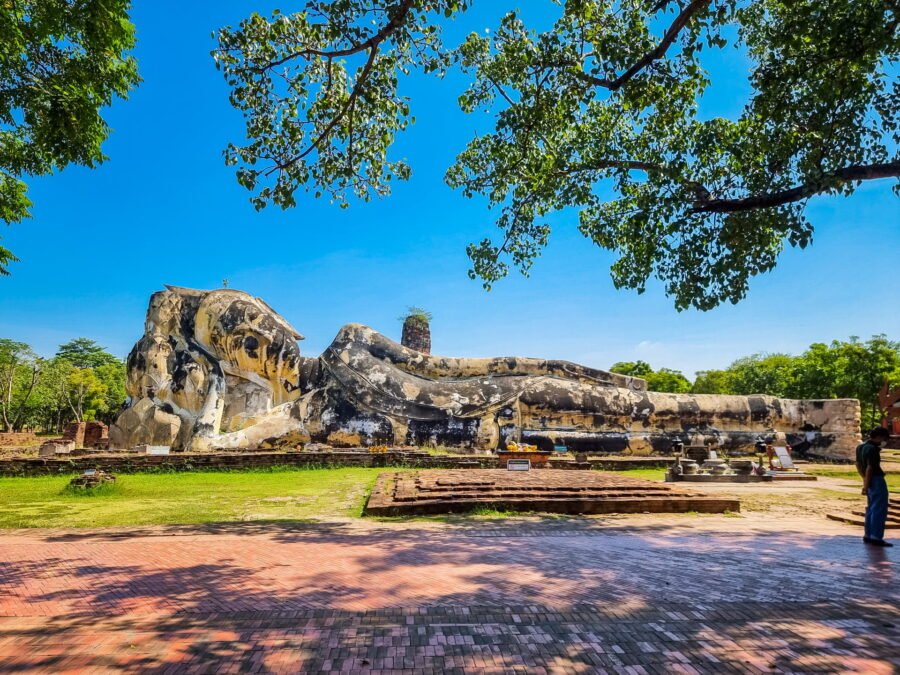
(355, 336)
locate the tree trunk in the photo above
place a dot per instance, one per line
(7, 396)
(34, 377)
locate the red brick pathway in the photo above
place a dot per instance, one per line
(641, 595)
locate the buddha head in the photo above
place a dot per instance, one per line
(250, 341)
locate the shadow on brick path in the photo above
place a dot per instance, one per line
(518, 598)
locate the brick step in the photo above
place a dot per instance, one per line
(860, 522)
(547, 490)
(891, 517)
(533, 490)
(856, 518)
(504, 495)
(562, 505)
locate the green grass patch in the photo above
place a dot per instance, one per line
(186, 498)
(842, 471)
(835, 471)
(646, 474)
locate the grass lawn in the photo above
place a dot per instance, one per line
(284, 494)
(832, 471)
(843, 471)
(646, 474)
(185, 498)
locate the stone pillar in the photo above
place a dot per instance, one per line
(416, 334)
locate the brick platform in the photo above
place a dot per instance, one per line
(548, 490)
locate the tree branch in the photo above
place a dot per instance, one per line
(351, 100)
(657, 53)
(372, 45)
(628, 164)
(826, 182)
(399, 19)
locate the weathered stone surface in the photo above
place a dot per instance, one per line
(96, 435)
(145, 449)
(56, 447)
(144, 423)
(75, 432)
(209, 363)
(228, 369)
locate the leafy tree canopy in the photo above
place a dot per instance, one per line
(850, 368)
(842, 369)
(85, 353)
(632, 368)
(82, 382)
(712, 382)
(61, 62)
(19, 369)
(664, 379)
(599, 114)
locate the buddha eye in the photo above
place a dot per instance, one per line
(251, 344)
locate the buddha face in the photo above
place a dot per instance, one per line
(251, 341)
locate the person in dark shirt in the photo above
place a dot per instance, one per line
(868, 464)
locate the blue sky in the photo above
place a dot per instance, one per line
(165, 210)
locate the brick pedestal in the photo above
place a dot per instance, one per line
(416, 335)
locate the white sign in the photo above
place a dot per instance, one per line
(518, 465)
(784, 457)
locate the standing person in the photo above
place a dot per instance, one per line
(868, 464)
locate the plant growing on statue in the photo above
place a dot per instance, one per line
(416, 314)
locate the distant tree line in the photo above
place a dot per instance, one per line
(842, 369)
(81, 382)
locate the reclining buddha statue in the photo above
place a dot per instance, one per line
(222, 370)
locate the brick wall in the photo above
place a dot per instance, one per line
(87, 434)
(134, 463)
(75, 432)
(96, 435)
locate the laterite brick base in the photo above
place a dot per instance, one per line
(549, 491)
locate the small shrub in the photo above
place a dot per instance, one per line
(102, 490)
